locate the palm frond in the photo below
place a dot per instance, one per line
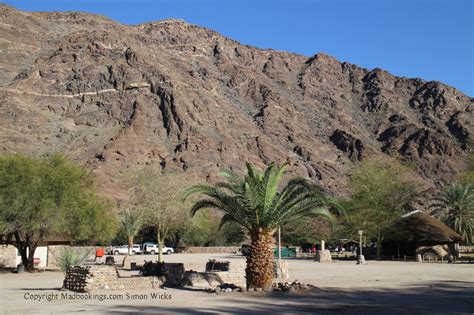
(455, 207)
(255, 202)
(226, 219)
(204, 204)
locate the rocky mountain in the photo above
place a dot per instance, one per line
(184, 97)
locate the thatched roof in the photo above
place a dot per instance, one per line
(422, 229)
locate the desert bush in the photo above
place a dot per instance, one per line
(68, 257)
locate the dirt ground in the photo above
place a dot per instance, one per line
(375, 288)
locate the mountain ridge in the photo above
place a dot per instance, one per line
(185, 97)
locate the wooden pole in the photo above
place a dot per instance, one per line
(279, 253)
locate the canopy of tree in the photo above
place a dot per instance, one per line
(157, 198)
(382, 190)
(50, 195)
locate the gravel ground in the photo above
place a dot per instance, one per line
(375, 288)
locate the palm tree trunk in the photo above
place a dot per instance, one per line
(259, 271)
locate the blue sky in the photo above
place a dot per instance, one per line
(430, 39)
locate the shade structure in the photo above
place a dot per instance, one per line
(420, 228)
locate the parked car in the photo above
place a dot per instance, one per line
(137, 249)
(123, 250)
(152, 249)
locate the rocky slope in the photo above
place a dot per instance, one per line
(184, 97)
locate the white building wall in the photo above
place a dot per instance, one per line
(41, 252)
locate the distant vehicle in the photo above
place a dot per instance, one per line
(137, 249)
(152, 249)
(123, 250)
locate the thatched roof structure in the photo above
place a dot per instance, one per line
(422, 229)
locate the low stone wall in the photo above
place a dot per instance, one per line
(90, 278)
(8, 256)
(211, 249)
(212, 278)
(235, 274)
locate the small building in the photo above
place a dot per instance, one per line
(10, 256)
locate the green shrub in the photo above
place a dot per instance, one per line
(68, 257)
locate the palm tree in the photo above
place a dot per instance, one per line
(131, 224)
(455, 207)
(255, 202)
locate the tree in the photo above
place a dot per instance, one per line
(204, 230)
(381, 191)
(157, 197)
(231, 234)
(131, 225)
(455, 207)
(201, 229)
(305, 231)
(255, 202)
(45, 196)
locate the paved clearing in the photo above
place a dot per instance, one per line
(378, 287)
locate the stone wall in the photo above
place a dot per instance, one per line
(90, 278)
(211, 249)
(8, 256)
(212, 278)
(235, 274)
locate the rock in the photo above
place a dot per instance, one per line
(200, 279)
(323, 256)
(352, 147)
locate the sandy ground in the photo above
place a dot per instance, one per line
(375, 288)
